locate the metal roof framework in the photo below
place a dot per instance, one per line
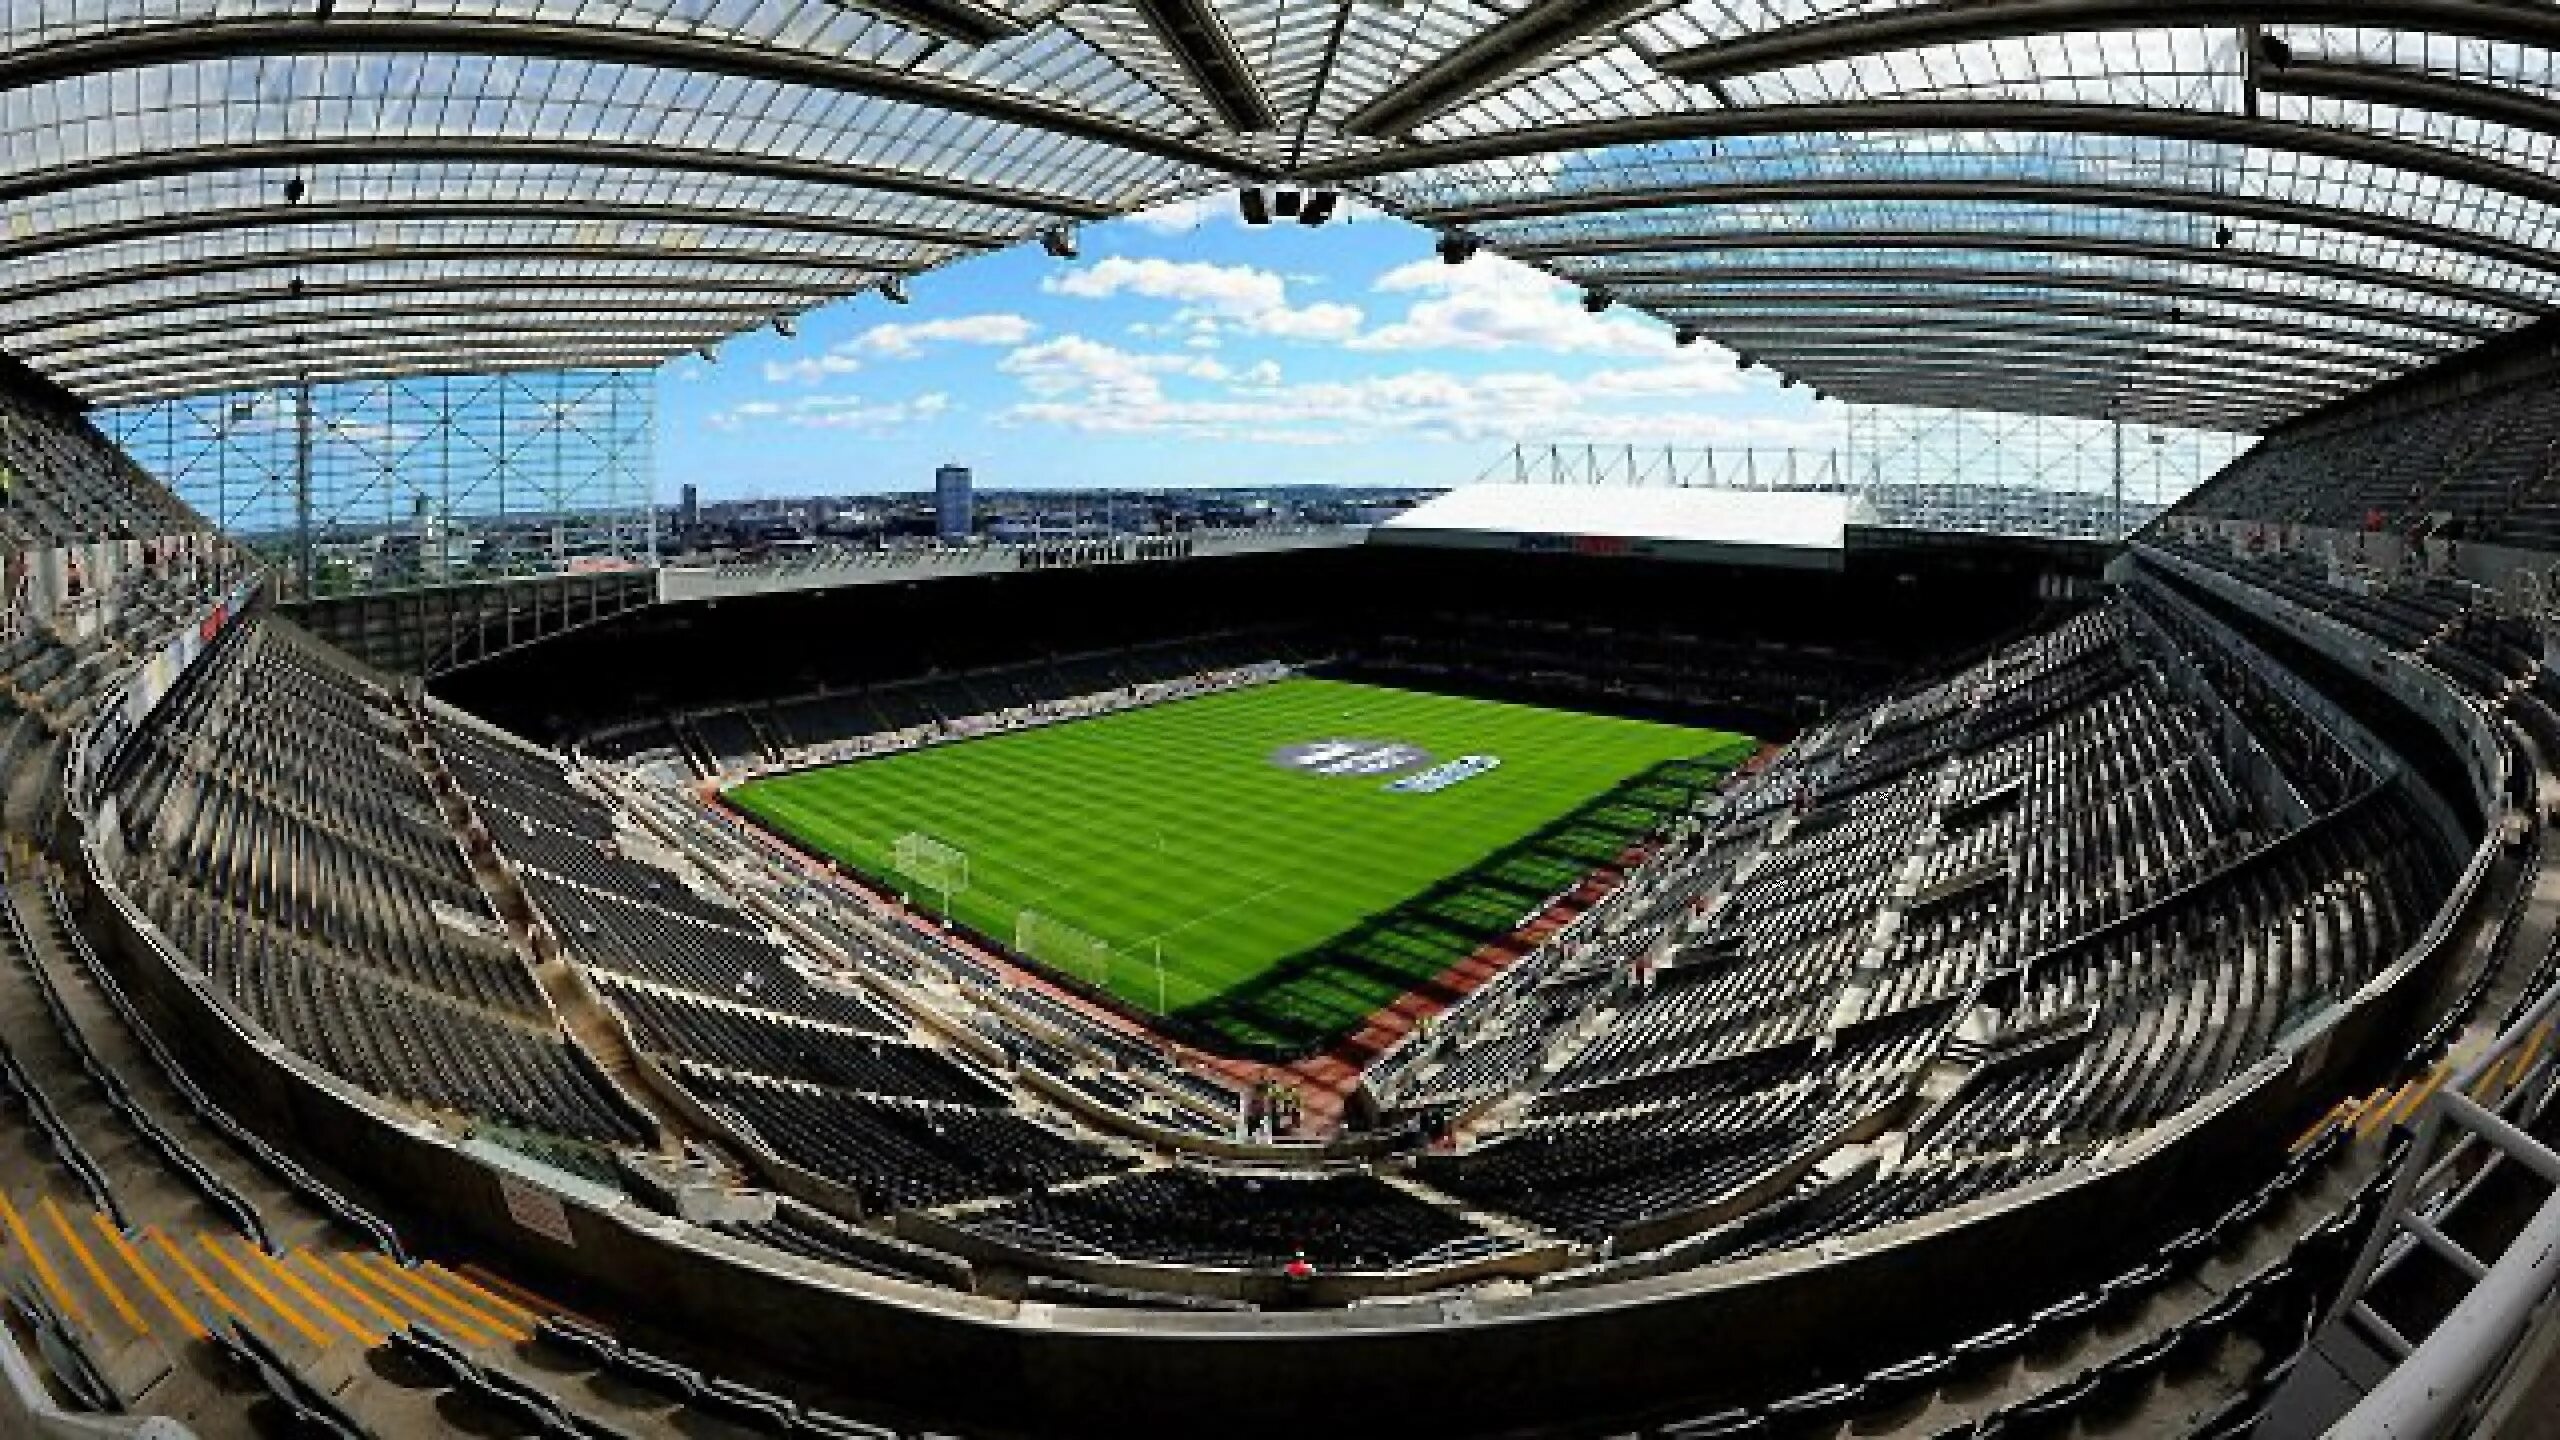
(2211, 212)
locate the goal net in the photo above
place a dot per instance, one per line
(928, 862)
(1062, 947)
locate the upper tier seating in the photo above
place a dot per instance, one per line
(283, 837)
(2478, 466)
(69, 484)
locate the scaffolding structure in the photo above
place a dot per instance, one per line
(1703, 468)
(1963, 471)
(388, 484)
(1989, 472)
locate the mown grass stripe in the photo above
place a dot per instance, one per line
(1170, 825)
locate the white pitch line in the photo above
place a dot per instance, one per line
(1259, 895)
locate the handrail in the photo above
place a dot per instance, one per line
(2437, 1383)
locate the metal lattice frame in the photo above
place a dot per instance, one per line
(1978, 470)
(2371, 181)
(1961, 470)
(419, 479)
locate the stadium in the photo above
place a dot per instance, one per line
(1945, 936)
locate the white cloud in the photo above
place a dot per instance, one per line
(1491, 303)
(1086, 386)
(1103, 375)
(810, 369)
(1180, 217)
(895, 340)
(833, 412)
(905, 342)
(1213, 298)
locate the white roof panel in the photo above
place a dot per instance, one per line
(1777, 526)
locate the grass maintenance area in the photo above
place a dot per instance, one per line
(1265, 867)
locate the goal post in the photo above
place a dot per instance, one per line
(1063, 947)
(941, 868)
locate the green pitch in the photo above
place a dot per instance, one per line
(1286, 905)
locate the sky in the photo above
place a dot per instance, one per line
(1184, 348)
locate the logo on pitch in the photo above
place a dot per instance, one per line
(1445, 774)
(1351, 758)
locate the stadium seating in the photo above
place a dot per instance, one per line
(1183, 1216)
(1960, 948)
(305, 870)
(2478, 466)
(71, 484)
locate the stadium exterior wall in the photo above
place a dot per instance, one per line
(1511, 1361)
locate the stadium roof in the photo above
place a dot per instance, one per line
(2182, 211)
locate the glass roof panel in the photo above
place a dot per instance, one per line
(2355, 200)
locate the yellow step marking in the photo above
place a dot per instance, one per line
(318, 1302)
(266, 1297)
(149, 1277)
(46, 1275)
(318, 1265)
(388, 1279)
(441, 1283)
(203, 1283)
(2376, 1108)
(2512, 1069)
(97, 1273)
(515, 1297)
(2339, 1114)
(497, 1293)
(2417, 1094)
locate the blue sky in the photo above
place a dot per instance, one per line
(1184, 348)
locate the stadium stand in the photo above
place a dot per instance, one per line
(2118, 1002)
(2137, 1025)
(68, 482)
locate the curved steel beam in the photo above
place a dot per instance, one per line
(1728, 330)
(2106, 356)
(1706, 318)
(2000, 192)
(2080, 403)
(1819, 368)
(2413, 90)
(1721, 320)
(386, 360)
(30, 344)
(1978, 390)
(284, 217)
(960, 20)
(1805, 360)
(291, 350)
(1950, 22)
(264, 332)
(493, 150)
(1536, 29)
(1197, 39)
(1807, 363)
(80, 56)
(766, 299)
(180, 386)
(2022, 116)
(288, 262)
(2020, 243)
(1877, 287)
(2132, 407)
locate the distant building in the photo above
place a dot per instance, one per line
(951, 505)
(689, 510)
